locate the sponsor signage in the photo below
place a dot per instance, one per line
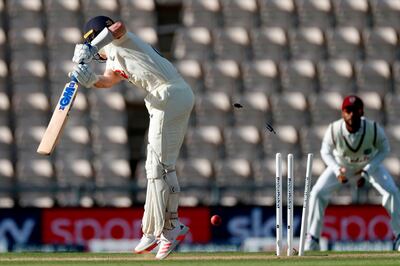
(239, 223)
(68, 94)
(20, 227)
(78, 226)
(341, 223)
(357, 223)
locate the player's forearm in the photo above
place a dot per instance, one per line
(108, 79)
(105, 82)
(330, 161)
(327, 152)
(384, 150)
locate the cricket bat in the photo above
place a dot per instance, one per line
(59, 118)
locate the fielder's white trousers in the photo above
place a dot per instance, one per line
(169, 107)
(327, 183)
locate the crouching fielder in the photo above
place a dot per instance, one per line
(353, 147)
(169, 102)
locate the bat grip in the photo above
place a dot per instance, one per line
(88, 44)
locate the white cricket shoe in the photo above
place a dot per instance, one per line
(312, 244)
(396, 243)
(170, 239)
(146, 244)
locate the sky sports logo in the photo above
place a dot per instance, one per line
(67, 95)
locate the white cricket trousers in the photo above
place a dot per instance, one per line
(327, 183)
(169, 107)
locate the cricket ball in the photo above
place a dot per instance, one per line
(216, 220)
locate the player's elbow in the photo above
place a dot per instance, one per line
(117, 29)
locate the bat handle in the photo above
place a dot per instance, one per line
(73, 78)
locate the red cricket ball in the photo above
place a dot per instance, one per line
(216, 220)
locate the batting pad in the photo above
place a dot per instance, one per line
(161, 205)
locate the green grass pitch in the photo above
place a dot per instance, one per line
(201, 258)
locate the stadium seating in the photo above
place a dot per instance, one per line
(385, 13)
(34, 178)
(197, 175)
(284, 141)
(242, 142)
(231, 43)
(256, 110)
(74, 172)
(204, 142)
(290, 109)
(240, 13)
(213, 109)
(203, 13)
(392, 110)
(192, 72)
(344, 43)
(192, 43)
(278, 13)
(6, 182)
(373, 106)
(336, 75)
(352, 13)
(260, 76)
(222, 76)
(269, 43)
(253, 65)
(307, 43)
(373, 76)
(112, 179)
(264, 173)
(234, 178)
(108, 8)
(138, 14)
(298, 75)
(381, 43)
(393, 137)
(324, 107)
(315, 13)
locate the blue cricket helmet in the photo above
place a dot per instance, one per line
(94, 26)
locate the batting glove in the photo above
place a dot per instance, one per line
(85, 75)
(84, 53)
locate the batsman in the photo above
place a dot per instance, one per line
(353, 149)
(169, 101)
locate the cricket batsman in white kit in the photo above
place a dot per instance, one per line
(353, 148)
(169, 102)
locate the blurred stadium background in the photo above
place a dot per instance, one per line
(288, 62)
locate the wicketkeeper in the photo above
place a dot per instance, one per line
(169, 102)
(353, 148)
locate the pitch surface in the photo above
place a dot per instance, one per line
(202, 259)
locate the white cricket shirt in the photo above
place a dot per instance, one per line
(364, 149)
(139, 62)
